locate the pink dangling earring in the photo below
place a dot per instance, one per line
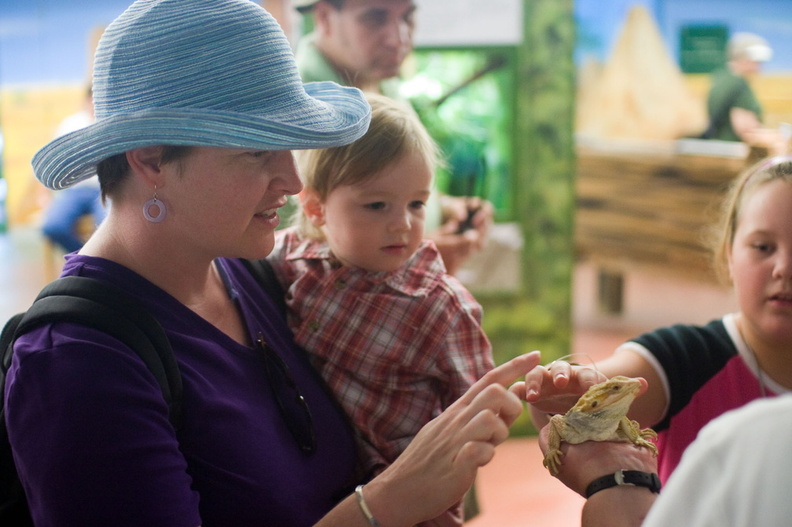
(158, 206)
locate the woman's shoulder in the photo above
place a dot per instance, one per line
(711, 334)
(686, 347)
(688, 354)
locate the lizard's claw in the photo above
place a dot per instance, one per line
(647, 433)
(552, 461)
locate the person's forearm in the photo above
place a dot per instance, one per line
(621, 506)
(346, 513)
(440, 464)
(382, 500)
(745, 123)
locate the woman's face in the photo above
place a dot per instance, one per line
(760, 263)
(224, 201)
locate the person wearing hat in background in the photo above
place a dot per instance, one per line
(735, 113)
(198, 105)
(363, 43)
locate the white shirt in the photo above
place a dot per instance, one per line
(737, 473)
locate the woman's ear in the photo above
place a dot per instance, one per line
(146, 162)
(322, 12)
(312, 206)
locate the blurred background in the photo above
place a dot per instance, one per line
(571, 117)
(577, 119)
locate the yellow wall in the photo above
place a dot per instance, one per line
(29, 118)
(773, 91)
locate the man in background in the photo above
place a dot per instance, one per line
(360, 43)
(363, 43)
(734, 110)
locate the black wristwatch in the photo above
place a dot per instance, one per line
(634, 478)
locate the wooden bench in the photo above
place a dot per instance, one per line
(648, 204)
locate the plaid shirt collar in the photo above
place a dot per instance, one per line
(416, 277)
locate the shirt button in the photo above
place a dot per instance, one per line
(340, 284)
(313, 325)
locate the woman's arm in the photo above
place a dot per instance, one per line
(88, 425)
(555, 388)
(618, 506)
(440, 464)
(744, 123)
(650, 407)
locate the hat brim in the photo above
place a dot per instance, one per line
(338, 116)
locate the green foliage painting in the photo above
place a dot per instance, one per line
(464, 98)
(504, 120)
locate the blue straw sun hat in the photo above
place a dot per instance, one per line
(200, 73)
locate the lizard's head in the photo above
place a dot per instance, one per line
(613, 396)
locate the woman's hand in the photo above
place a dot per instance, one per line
(621, 506)
(585, 462)
(464, 231)
(440, 464)
(555, 388)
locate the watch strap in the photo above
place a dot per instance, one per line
(634, 478)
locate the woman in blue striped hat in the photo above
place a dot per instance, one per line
(198, 106)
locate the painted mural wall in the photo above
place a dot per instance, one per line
(46, 48)
(599, 22)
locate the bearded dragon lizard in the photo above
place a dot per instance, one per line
(599, 415)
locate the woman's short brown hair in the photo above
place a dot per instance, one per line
(113, 170)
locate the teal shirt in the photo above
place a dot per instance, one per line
(312, 64)
(729, 91)
(314, 67)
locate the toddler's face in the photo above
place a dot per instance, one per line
(378, 224)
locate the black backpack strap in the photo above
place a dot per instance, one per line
(103, 306)
(6, 339)
(264, 274)
(13, 503)
(99, 305)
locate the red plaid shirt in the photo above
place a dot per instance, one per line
(395, 347)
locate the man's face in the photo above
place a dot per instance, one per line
(366, 40)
